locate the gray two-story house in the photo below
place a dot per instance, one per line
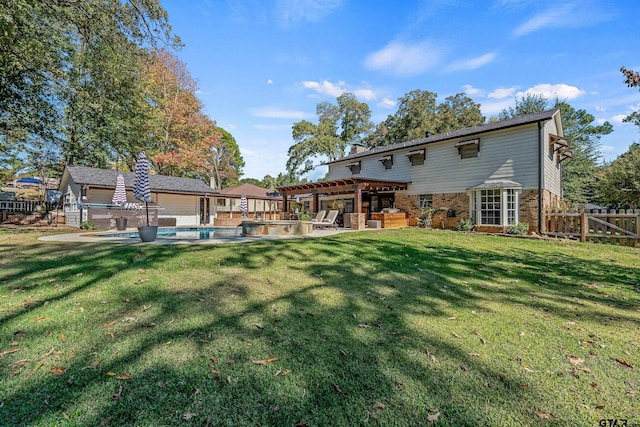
(497, 174)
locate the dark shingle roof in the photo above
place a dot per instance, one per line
(460, 133)
(158, 183)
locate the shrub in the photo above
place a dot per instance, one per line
(465, 224)
(519, 228)
(425, 216)
(305, 216)
(87, 225)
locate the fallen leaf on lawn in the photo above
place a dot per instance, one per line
(434, 416)
(600, 407)
(453, 334)
(214, 359)
(524, 386)
(545, 415)
(63, 338)
(49, 353)
(259, 362)
(80, 309)
(111, 374)
(229, 379)
(167, 343)
(187, 415)
(19, 362)
(124, 377)
(108, 325)
(483, 341)
(464, 367)
(473, 354)
(58, 370)
(378, 405)
(575, 361)
(258, 325)
(623, 363)
(146, 307)
(487, 385)
(594, 385)
(142, 271)
(40, 319)
(363, 325)
(112, 335)
(104, 421)
(27, 304)
(301, 425)
(96, 362)
(215, 372)
(271, 359)
(65, 416)
(11, 350)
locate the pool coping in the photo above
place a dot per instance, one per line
(91, 237)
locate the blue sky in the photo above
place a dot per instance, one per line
(263, 65)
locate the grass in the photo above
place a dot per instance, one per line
(396, 327)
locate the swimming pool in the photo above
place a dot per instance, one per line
(185, 233)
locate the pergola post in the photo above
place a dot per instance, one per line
(316, 201)
(357, 204)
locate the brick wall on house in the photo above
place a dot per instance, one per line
(460, 203)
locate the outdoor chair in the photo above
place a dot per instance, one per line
(320, 216)
(329, 221)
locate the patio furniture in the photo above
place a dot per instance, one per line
(320, 216)
(329, 221)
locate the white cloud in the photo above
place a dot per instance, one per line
(618, 118)
(472, 91)
(325, 87)
(472, 63)
(560, 91)
(294, 12)
(276, 113)
(269, 82)
(493, 108)
(569, 15)
(607, 148)
(387, 103)
(404, 59)
(334, 90)
(502, 92)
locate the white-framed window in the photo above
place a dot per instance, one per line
(426, 201)
(495, 206)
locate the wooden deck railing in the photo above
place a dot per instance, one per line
(611, 227)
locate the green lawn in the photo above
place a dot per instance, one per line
(399, 327)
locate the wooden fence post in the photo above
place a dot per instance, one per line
(584, 227)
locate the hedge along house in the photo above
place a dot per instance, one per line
(497, 174)
(88, 193)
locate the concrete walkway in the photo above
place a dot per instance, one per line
(93, 237)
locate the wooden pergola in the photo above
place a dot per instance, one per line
(355, 186)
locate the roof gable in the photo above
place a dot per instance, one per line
(159, 183)
(249, 190)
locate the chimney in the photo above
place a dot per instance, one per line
(212, 183)
(427, 134)
(357, 148)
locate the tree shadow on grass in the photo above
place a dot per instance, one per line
(350, 344)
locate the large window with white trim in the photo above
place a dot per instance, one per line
(494, 206)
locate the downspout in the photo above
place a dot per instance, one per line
(540, 177)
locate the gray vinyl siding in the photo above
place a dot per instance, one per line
(552, 169)
(508, 154)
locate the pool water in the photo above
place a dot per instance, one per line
(186, 233)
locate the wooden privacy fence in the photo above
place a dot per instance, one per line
(612, 227)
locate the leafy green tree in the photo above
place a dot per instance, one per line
(632, 79)
(226, 161)
(578, 173)
(339, 125)
(68, 74)
(618, 184)
(418, 113)
(281, 180)
(528, 104)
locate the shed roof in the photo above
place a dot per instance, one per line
(106, 178)
(249, 190)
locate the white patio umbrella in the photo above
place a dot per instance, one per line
(120, 195)
(244, 208)
(141, 188)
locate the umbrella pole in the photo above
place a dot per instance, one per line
(146, 205)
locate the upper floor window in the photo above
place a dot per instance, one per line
(416, 157)
(468, 149)
(387, 161)
(355, 167)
